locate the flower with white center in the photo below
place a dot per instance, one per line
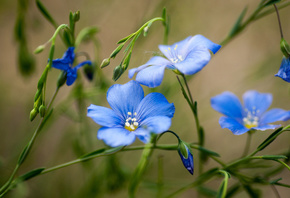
(132, 115)
(188, 57)
(252, 115)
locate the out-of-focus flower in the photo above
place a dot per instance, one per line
(132, 115)
(65, 63)
(284, 71)
(252, 115)
(188, 57)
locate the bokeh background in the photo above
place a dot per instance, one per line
(248, 62)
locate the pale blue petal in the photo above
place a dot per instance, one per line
(155, 104)
(125, 98)
(151, 76)
(116, 136)
(143, 134)
(266, 127)
(154, 61)
(104, 116)
(179, 48)
(156, 124)
(233, 125)
(228, 104)
(199, 40)
(274, 115)
(194, 62)
(258, 102)
(71, 76)
(284, 71)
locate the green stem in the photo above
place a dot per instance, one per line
(284, 164)
(248, 143)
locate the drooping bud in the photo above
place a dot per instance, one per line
(186, 156)
(118, 71)
(39, 49)
(61, 79)
(33, 114)
(42, 110)
(105, 63)
(89, 72)
(285, 48)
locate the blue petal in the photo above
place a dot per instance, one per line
(71, 76)
(82, 64)
(65, 62)
(125, 98)
(143, 134)
(194, 62)
(155, 104)
(274, 115)
(69, 55)
(116, 136)
(199, 40)
(256, 101)
(155, 60)
(104, 116)
(187, 162)
(265, 127)
(284, 71)
(228, 104)
(151, 76)
(156, 124)
(233, 125)
(179, 48)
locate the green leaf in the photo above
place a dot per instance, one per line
(233, 190)
(45, 13)
(271, 2)
(208, 152)
(116, 51)
(274, 157)
(237, 25)
(270, 139)
(164, 16)
(275, 181)
(30, 174)
(125, 39)
(97, 152)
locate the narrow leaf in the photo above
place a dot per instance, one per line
(237, 25)
(270, 139)
(45, 13)
(271, 2)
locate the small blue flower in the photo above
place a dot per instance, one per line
(284, 71)
(252, 115)
(132, 115)
(188, 57)
(65, 63)
(186, 157)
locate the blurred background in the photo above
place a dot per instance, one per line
(247, 62)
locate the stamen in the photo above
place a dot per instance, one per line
(131, 124)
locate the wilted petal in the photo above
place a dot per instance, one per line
(233, 125)
(116, 136)
(284, 71)
(125, 98)
(274, 115)
(194, 62)
(104, 116)
(256, 101)
(228, 104)
(151, 76)
(155, 104)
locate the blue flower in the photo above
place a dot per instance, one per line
(252, 115)
(284, 71)
(65, 63)
(188, 57)
(186, 156)
(132, 115)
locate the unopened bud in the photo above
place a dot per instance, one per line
(127, 61)
(39, 49)
(89, 72)
(186, 156)
(61, 79)
(105, 62)
(118, 71)
(42, 110)
(33, 114)
(76, 16)
(285, 48)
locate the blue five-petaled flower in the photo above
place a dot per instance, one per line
(284, 71)
(132, 115)
(252, 115)
(188, 57)
(65, 63)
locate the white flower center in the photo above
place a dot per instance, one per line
(131, 123)
(176, 57)
(252, 120)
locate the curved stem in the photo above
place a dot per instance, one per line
(279, 21)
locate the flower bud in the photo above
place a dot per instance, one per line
(118, 71)
(39, 49)
(89, 72)
(42, 110)
(127, 61)
(33, 114)
(285, 48)
(186, 156)
(105, 62)
(76, 16)
(61, 79)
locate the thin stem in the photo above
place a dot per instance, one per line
(248, 143)
(274, 188)
(279, 21)
(284, 164)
